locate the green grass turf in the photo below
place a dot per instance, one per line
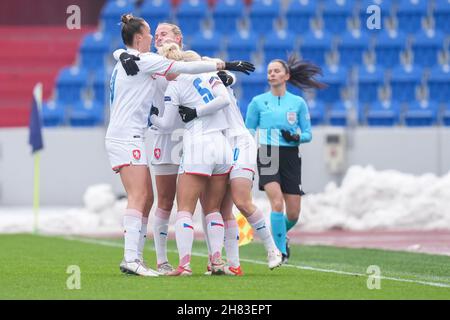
(34, 267)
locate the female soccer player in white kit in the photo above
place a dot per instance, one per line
(206, 157)
(131, 99)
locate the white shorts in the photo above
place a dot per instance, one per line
(166, 150)
(165, 169)
(123, 153)
(207, 155)
(244, 156)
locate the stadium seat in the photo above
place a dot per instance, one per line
(410, 13)
(243, 106)
(421, 113)
(335, 14)
(316, 112)
(93, 50)
(388, 47)
(206, 43)
(426, 47)
(338, 113)
(370, 78)
(111, 15)
(262, 15)
(53, 114)
(336, 79)
(70, 82)
(279, 45)
(314, 45)
(190, 16)
(86, 114)
(446, 115)
(439, 83)
(226, 14)
(383, 113)
(299, 14)
(101, 80)
(156, 11)
(253, 85)
(441, 15)
(404, 81)
(241, 45)
(352, 46)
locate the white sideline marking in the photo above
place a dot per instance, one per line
(196, 254)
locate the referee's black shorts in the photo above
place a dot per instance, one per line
(282, 165)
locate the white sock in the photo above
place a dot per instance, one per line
(205, 231)
(132, 222)
(232, 242)
(260, 227)
(142, 238)
(184, 235)
(216, 233)
(160, 234)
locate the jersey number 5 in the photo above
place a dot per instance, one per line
(204, 92)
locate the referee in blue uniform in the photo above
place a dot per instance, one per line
(284, 123)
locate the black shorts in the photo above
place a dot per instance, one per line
(282, 165)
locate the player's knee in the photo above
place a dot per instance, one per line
(277, 204)
(165, 201)
(245, 206)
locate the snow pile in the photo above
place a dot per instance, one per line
(367, 199)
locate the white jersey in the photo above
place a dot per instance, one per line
(196, 91)
(132, 96)
(234, 117)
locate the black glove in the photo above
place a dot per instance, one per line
(226, 78)
(241, 66)
(289, 137)
(129, 64)
(154, 110)
(187, 114)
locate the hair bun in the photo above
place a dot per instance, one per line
(127, 17)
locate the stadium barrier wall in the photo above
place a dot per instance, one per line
(74, 159)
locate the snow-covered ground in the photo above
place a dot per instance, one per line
(367, 199)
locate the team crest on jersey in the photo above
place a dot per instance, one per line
(157, 153)
(137, 154)
(291, 117)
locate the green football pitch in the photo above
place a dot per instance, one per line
(38, 267)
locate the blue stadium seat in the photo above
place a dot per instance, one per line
(86, 114)
(69, 84)
(243, 106)
(388, 47)
(336, 79)
(316, 112)
(190, 16)
(352, 47)
(299, 14)
(314, 46)
(279, 45)
(53, 114)
(156, 11)
(426, 47)
(253, 85)
(206, 43)
(410, 13)
(262, 15)
(385, 11)
(111, 15)
(241, 45)
(446, 115)
(439, 84)
(383, 113)
(442, 15)
(335, 14)
(338, 114)
(101, 80)
(93, 50)
(404, 82)
(226, 14)
(421, 113)
(369, 80)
